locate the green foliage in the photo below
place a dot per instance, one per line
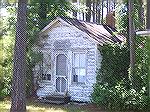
(39, 14)
(6, 51)
(141, 64)
(122, 18)
(122, 23)
(119, 98)
(115, 65)
(45, 11)
(112, 76)
(113, 89)
(38, 17)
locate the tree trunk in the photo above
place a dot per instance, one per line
(141, 14)
(131, 40)
(148, 14)
(148, 41)
(88, 14)
(96, 19)
(99, 11)
(93, 10)
(107, 6)
(75, 12)
(43, 13)
(102, 11)
(18, 98)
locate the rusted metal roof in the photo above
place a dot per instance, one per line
(101, 33)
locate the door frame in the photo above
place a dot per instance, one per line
(61, 82)
(55, 70)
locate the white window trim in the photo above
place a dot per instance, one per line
(79, 52)
(47, 72)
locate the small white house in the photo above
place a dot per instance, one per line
(70, 57)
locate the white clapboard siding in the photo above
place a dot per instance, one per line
(67, 39)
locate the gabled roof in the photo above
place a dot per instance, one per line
(101, 33)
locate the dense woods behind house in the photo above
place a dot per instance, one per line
(122, 83)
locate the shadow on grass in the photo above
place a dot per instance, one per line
(34, 106)
(46, 107)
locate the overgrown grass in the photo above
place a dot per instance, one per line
(41, 107)
(33, 106)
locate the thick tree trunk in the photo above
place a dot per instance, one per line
(18, 98)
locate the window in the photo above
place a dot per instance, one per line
(46, 77)
(46, 67)
(79, 67)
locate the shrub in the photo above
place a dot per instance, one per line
(113, 89)
(115, 65)
(119, 98)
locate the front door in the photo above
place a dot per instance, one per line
(61, 73)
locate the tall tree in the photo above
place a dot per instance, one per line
(18, 99)
(141, 14)
(43, 12)
(75, 12)
(98, 11)
(88, 14)
(148, 27)
(94, 2)
(131, 38)
(102, 11)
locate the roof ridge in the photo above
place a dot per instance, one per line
(66, 17)
(102, 33)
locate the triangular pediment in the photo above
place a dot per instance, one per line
(58, 22)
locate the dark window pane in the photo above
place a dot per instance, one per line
(43, 77)
(75, 78)
(48, 76)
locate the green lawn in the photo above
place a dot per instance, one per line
(41, 107)
(33, 106)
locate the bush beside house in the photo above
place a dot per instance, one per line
(113, 89)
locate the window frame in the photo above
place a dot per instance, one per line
(73, 66)
(47, 72)
(45, 77)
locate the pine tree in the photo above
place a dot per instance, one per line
(18, 103)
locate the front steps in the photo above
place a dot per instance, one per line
(55, 99)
